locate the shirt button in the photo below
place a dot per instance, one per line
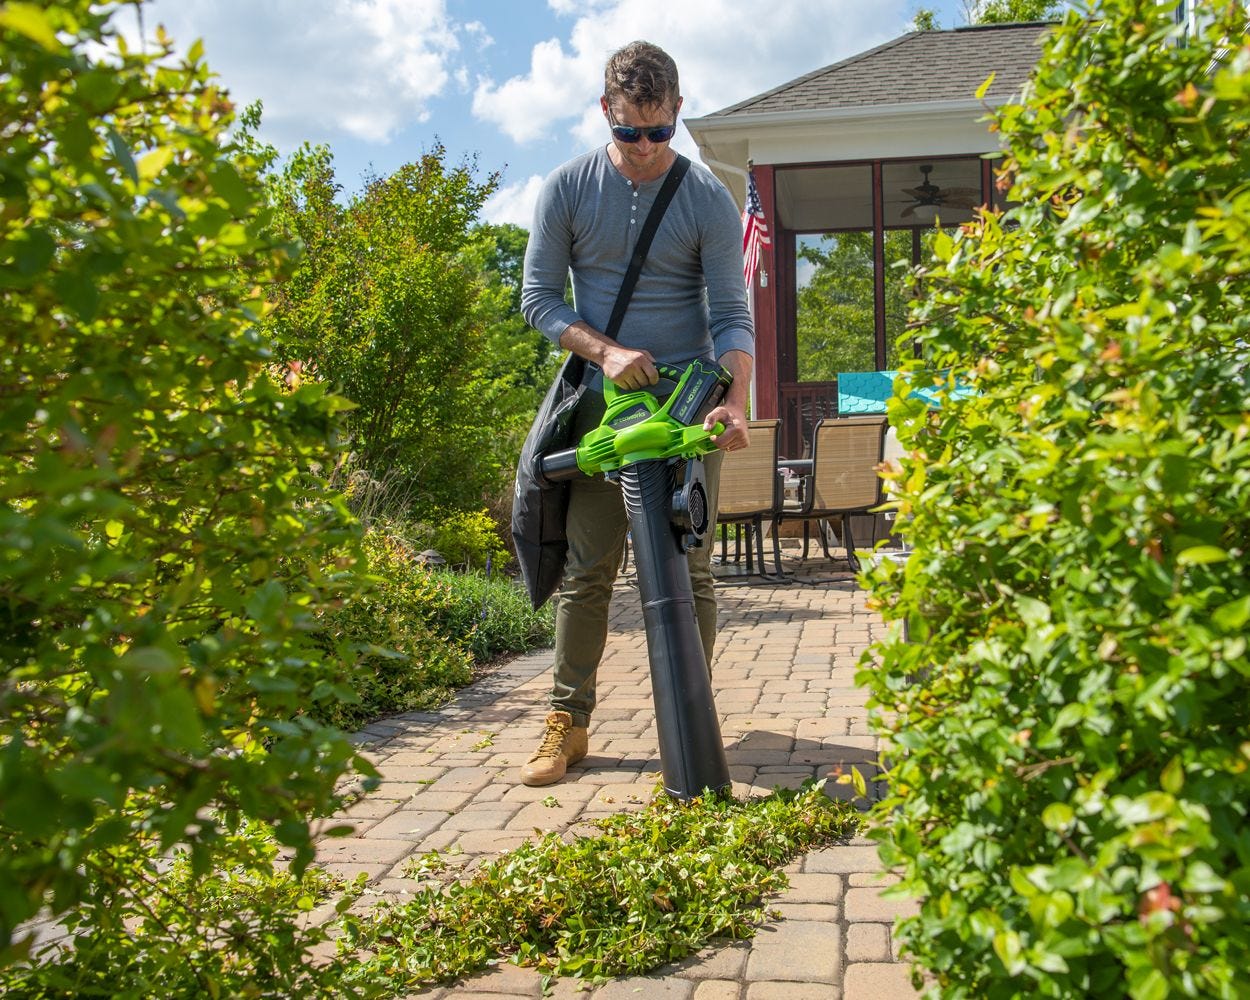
(632, 221)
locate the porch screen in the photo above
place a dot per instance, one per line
(828, 213)
(834, 326)
(829, 209)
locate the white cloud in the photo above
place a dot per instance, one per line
(554, 88)
(576, 6)
(724, 50)
(364, 67)
(481, 36)
(513, 203)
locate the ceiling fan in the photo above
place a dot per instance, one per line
(928, 197)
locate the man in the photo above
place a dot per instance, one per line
(690, 302)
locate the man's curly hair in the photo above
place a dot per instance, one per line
(642, 74)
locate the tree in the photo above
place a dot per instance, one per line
(925, 19)
(1067, 725)
(165, 548)
(519, 361)
(1010, 11)
(505, 257)
(386, 306)
(519, 354)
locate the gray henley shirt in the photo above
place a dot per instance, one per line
(690, 301)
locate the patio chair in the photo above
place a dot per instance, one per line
(844, 481)
(751, 492)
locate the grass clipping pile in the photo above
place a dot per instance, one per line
(651, 887)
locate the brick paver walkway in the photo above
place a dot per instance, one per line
(784, 683)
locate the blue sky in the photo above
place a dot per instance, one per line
(514, 82)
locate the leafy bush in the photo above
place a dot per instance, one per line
(650, 888)
(1067, 726)
(399, 663)
(387, 306)
(469, 539)
(241, 931)
(414, 634)
(164, 554)
(491, 616)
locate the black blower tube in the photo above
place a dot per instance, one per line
(560, 465)
(692, 755)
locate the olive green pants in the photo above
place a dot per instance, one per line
(596, 527)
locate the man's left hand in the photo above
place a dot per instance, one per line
(734, 436)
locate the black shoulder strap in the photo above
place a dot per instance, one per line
(675, 173)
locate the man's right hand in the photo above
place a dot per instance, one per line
(629, 369)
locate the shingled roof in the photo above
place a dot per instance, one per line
(917, 67)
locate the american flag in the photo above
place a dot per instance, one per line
(754, 231)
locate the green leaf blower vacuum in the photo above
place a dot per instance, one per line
(639, 443)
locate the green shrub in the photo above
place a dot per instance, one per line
(1067, 728)
(414, 635)
(386, 305)
(240, 931)
(399, 662)
(491, 616)
(165, 554)
(469, 539)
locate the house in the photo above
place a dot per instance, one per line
(854, 164)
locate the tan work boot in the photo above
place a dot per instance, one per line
(563, 744)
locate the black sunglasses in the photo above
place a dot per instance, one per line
(631, 134)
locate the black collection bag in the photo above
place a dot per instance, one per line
(539, 506)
